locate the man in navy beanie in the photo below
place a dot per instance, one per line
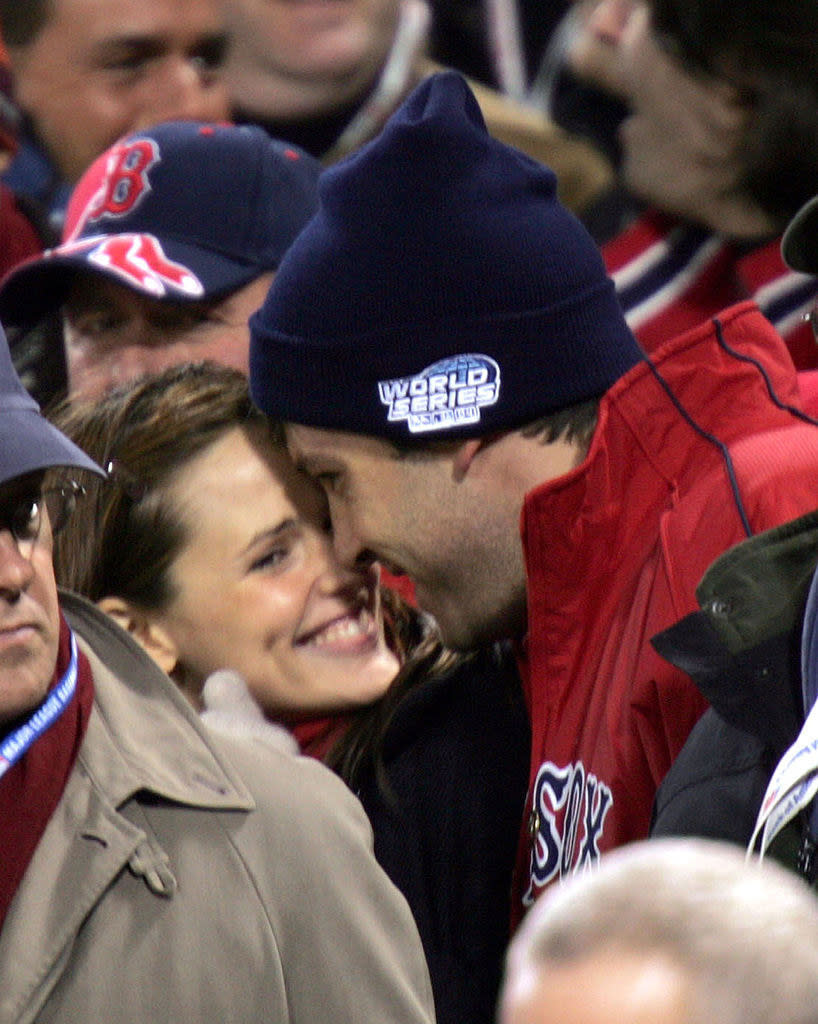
(451, 364)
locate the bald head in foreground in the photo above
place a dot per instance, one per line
(668, 931)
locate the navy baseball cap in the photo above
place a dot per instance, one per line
(28, 442)
(182, 211)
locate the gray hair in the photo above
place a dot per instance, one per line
(744, 935)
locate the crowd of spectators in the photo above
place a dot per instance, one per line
(408, 511)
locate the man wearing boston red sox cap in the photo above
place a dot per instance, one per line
(171, 239)
(451, 363)
(155, 869)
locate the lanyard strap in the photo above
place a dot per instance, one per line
(17, 743)
(794, 783)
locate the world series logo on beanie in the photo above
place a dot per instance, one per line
(441, 289)
(448, 394)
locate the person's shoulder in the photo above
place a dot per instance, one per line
(149, 718)
(583, 172)
(473, 686)
(265, 754)
(716, 784)
(300, 788)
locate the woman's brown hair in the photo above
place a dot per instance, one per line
(125, 533)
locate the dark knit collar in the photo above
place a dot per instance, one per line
(316, 135)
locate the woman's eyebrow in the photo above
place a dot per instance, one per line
(270, 533)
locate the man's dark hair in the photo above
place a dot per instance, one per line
(770, 52)
(22, 20)
(574, 423)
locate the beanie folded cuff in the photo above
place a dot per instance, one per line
(427, 385)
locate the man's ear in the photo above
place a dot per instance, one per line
(464, 456)
(155, 640)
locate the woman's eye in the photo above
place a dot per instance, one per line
(269, 560)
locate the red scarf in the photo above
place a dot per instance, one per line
(316, 736)
(31, 789)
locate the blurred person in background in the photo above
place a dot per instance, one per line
(326, 76)
(22, 226)
(87, 72)
(668, 932)
(717, 139)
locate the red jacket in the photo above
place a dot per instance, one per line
(638, 522)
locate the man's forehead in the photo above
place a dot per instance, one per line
(307, 444)
(134, 19)
(311, 444)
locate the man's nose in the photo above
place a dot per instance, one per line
(609, 18)
(16, 570)
(183, 91)
(335, 579)
(346, 544)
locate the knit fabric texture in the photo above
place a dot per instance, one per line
(440, 290)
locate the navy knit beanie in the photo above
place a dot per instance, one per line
(441, 290)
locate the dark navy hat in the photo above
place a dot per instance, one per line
(181, 211)
(28, 442)
(442, 290)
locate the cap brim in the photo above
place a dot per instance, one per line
(40, 285)
(28, 443)
(799, 243)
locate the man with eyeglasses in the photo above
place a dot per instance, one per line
(152, 869)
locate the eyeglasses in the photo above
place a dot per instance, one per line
(23, 516)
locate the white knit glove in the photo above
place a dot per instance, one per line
(231, 709)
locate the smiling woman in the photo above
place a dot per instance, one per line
(214, 551)
(254, 587)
